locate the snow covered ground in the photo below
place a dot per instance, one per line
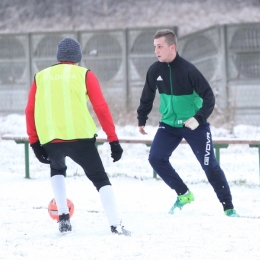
(199, 231)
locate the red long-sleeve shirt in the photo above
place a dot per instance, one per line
(96, 98)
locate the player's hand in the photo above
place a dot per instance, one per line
(40, 153)
(116, 151)
(141, 130)
(191, 123)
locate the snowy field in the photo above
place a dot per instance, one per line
(200, 231)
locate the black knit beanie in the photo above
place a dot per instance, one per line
(69, 50)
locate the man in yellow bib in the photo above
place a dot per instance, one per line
(59, 125)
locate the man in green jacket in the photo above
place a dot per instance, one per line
(186, 101)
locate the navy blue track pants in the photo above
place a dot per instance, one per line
(166, 141)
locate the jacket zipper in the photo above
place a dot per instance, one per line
(171, 89)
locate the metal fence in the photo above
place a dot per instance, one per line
(119, 58)
(227, 55)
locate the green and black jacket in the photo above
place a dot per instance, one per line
(183, 90)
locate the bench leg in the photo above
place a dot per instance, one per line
(217, 150)
(26, 157)
(26, 152)
(257, 146)
(154, 172)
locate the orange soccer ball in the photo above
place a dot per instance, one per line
(53, 211)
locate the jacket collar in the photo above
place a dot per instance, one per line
(175, 60)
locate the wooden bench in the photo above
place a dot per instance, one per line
(218, 144)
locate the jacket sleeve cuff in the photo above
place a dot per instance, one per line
(198, 118)
(141, 122)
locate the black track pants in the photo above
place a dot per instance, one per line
(84, 153)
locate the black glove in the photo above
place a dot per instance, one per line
(116, 150)
(40, 153)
